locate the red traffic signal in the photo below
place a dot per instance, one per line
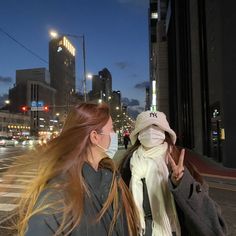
(24, 108)
(46, 108)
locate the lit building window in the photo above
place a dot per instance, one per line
(154, 96)
(154, 15)
(59, 49)
(69, 46)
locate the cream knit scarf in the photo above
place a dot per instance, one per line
(150, 164)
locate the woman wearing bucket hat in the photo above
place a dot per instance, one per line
(170, 194)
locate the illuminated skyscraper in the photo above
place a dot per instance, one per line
(62, 71)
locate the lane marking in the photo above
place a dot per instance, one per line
(18, 180)
(21, 176)
(12, 186)
(10, 194)
(7, 207)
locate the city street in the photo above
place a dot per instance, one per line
(222, 190)
(160, 70)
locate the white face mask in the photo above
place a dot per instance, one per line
(113, 147)
(151, 136)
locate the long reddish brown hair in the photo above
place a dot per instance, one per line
(65, 156)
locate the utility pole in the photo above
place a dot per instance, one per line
(84, 60)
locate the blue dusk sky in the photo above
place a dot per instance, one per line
(116, 37)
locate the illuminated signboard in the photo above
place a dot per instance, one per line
(69, 46)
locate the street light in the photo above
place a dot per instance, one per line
(55, 34)
(89, 76)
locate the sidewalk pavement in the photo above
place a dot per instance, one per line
(210, 168)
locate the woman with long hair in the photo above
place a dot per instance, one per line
(170, 194)
(77, 190)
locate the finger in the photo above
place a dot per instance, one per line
(177, 172)
(172, 162)
(181, 158)
(179, 176)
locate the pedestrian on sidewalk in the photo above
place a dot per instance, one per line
(126, 140)
(171, 196)
(78, 190)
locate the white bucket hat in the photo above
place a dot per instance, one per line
(147, 118)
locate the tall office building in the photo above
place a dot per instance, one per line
(97, 88)
(106, 77)
(201, 68)
(152, 19)
(102, 86)
(158, 93)
(32, 89)
(115, 110)
(116, 100)
(62, 71)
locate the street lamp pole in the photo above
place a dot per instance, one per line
(84, 60)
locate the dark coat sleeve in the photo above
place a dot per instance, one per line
(124, 170)
(45, 222)
(201, 214)
(41, 224)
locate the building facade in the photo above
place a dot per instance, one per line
(32, 95)
(152, 19)
(14, 124)
(201, 68)
(102, 86)
(62, 72)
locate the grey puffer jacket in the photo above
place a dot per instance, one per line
(45, 224)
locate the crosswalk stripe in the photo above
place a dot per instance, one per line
(22, 176)
(8, 194)
(29, 172)
(13, 191)
(7, 207)
(12, 186)
(18, 180)
(21, 181)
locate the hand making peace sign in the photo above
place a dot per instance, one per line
(177, 169)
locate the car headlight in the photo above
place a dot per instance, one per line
(2, 142)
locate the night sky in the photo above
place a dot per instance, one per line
(116, 37)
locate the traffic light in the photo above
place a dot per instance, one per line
(46, 108)
(24, 108)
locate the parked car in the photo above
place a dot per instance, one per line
(7, 141)
(30, 141)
